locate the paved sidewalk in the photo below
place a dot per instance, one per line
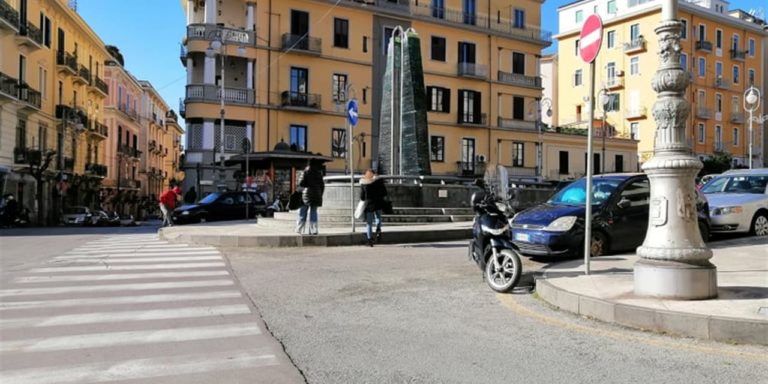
(272, 233)
(739, 313)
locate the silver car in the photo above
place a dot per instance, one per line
(77, 216)
(738, 201)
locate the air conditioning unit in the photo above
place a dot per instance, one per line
(619, 73)
(480, 158)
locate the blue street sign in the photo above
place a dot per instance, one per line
(352, 112)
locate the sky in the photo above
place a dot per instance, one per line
(148, 33)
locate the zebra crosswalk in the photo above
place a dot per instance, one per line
(134, 308)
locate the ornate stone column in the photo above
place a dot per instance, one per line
(674, 261)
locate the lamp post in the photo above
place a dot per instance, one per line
(751, 104)
(604, 100)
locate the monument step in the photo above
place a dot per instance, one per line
(405, 211)
(405, 219)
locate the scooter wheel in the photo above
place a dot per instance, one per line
(504, 273)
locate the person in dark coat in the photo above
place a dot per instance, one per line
(191, 196)
(374, 193)
(312, 197)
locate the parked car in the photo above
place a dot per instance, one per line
(100, 218)
(738, 201)
(221, 206)
(77, 216)
(705, 179)
(620, 218)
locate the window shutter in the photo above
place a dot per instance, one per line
(430, 102)
(478, 117)
(461, 105)
(446, 100)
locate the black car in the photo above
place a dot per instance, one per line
(221, 206)
(620, 218)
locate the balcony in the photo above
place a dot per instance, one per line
(128, 111)
(636, 45)
(718, 146)
(183, 55)
(99, 86)
(721, 83)
(505, 122)
(66, 63)
(97, 170)
(704, 113)
(29, 97)
(8, 87)
(212, 32)
(30, 35)
(302, 43)
(99, 130)
(473, 70)
(737, 117)
(703, 45)
(614, 82)
(83, 75)
(738, 55)
(519, 79)
(466, 168)
(9, 18)
(480, 119)
(211, 93)
(300, 100)
(129, 184)
(521, 171)
(20, 155)
(635, 113)
(71, 115)
(129, 151)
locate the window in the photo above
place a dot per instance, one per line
(299, 87)
(299, 137)
(735, 43)
(519, 20)
(518, 63)
(22, 69)
(339, 143)
(339, 87)
(577, 78)
(735, 106)
(365, 44)
(466, 52)
(576, 47)
(701, 100)
(469, 11)
(718, 70)
(718, 103)
(438, 48)
(684, 30)
(751, 76)
(684, 61)
(718, 137)
(579, 16)
(612, 6)
(618, 163)
(718, 39)
(702, 67)
(701, 133)
(634, 65)
(735, 137)
(563, 163)
(42, 77)
(611, 39)
(634, 131)
(21, 133)
(751, 47)
(611, 71)
(736, 79)
(340, 33)
(42, 137)
(634, 32)
(518, 153)
(614, 102)
(387, 37)
(438, 9)
(702, 32)
(518, 108)
(470, 107)
(437, 148)
(468, 155)
(45, 29)
(440, 99)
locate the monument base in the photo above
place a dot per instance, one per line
(675, 280)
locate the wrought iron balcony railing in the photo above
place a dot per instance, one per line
(29, 96)
(213, 32)
(519, 79)
(703, 113)
(473, 70)
(84, 74)
(738, 55)
(472, 119)
(703, 45)
(300, 99)
(722, 83)
(8, 86)
(31, 32)
(635, 45)
(96, 169)
(66, 62)
(212, 93)
(99, 84)
(304, 43)
(9, 17)
(505, 122)
(737, 117)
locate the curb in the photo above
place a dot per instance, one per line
(329, 240)
(722, 329)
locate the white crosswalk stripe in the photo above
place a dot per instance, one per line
(129, 308)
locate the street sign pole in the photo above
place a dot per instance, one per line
(352, 114)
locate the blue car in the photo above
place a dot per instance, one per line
(620, 218)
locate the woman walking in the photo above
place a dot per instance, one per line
(374, 193)
(312, 196)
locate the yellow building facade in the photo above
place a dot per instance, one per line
(290, 67)
(52, 96)
(724, 55)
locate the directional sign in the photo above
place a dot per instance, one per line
(352, 112)
(591, 38)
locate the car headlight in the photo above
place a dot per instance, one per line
(721, 211)
(561, 224)
(184, 213)
(494, 231)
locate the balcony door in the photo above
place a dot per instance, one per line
(518, 63)
(468, 155)
(466, 53)
(470, 7)
(300, 29)
(61, 43)
(299, 85)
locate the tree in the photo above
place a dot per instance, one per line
(39, 163)
(718, 163)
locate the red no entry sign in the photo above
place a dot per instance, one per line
(591, 38)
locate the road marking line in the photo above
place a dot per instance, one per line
(138, 369)
(135, 254)
(117, 276)
(11, 305)
(118, 260)
(123, 316)
(116, 287)
(114, 339)
(106, 267)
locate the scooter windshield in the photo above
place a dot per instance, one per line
(497, 180)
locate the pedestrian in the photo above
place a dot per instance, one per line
(191, 196)
(311, 196)
(168, 203)
(374, 193)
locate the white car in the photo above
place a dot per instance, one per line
(77, 216)
(738, 201)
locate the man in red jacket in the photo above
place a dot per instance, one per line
(168, 203)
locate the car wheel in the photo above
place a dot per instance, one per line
(759, 224)
(599, 245)
(704, 231)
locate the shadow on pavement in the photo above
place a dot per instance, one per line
(150, 227)
(742, 293)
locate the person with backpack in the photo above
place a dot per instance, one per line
(312, 196)
(374, 193)
(168, 204)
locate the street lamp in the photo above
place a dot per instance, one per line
(604, 100)
(751, 104)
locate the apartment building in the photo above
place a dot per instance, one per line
(289, 67)
(51, 106)
(724, 54)
(161, 136)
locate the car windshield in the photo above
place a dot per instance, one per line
(210, 198)
(75, 211)
(737, 184)
(574, 193)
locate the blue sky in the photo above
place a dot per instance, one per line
(148, 33)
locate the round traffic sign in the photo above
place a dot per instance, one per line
(352, 112)
(591, 38)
